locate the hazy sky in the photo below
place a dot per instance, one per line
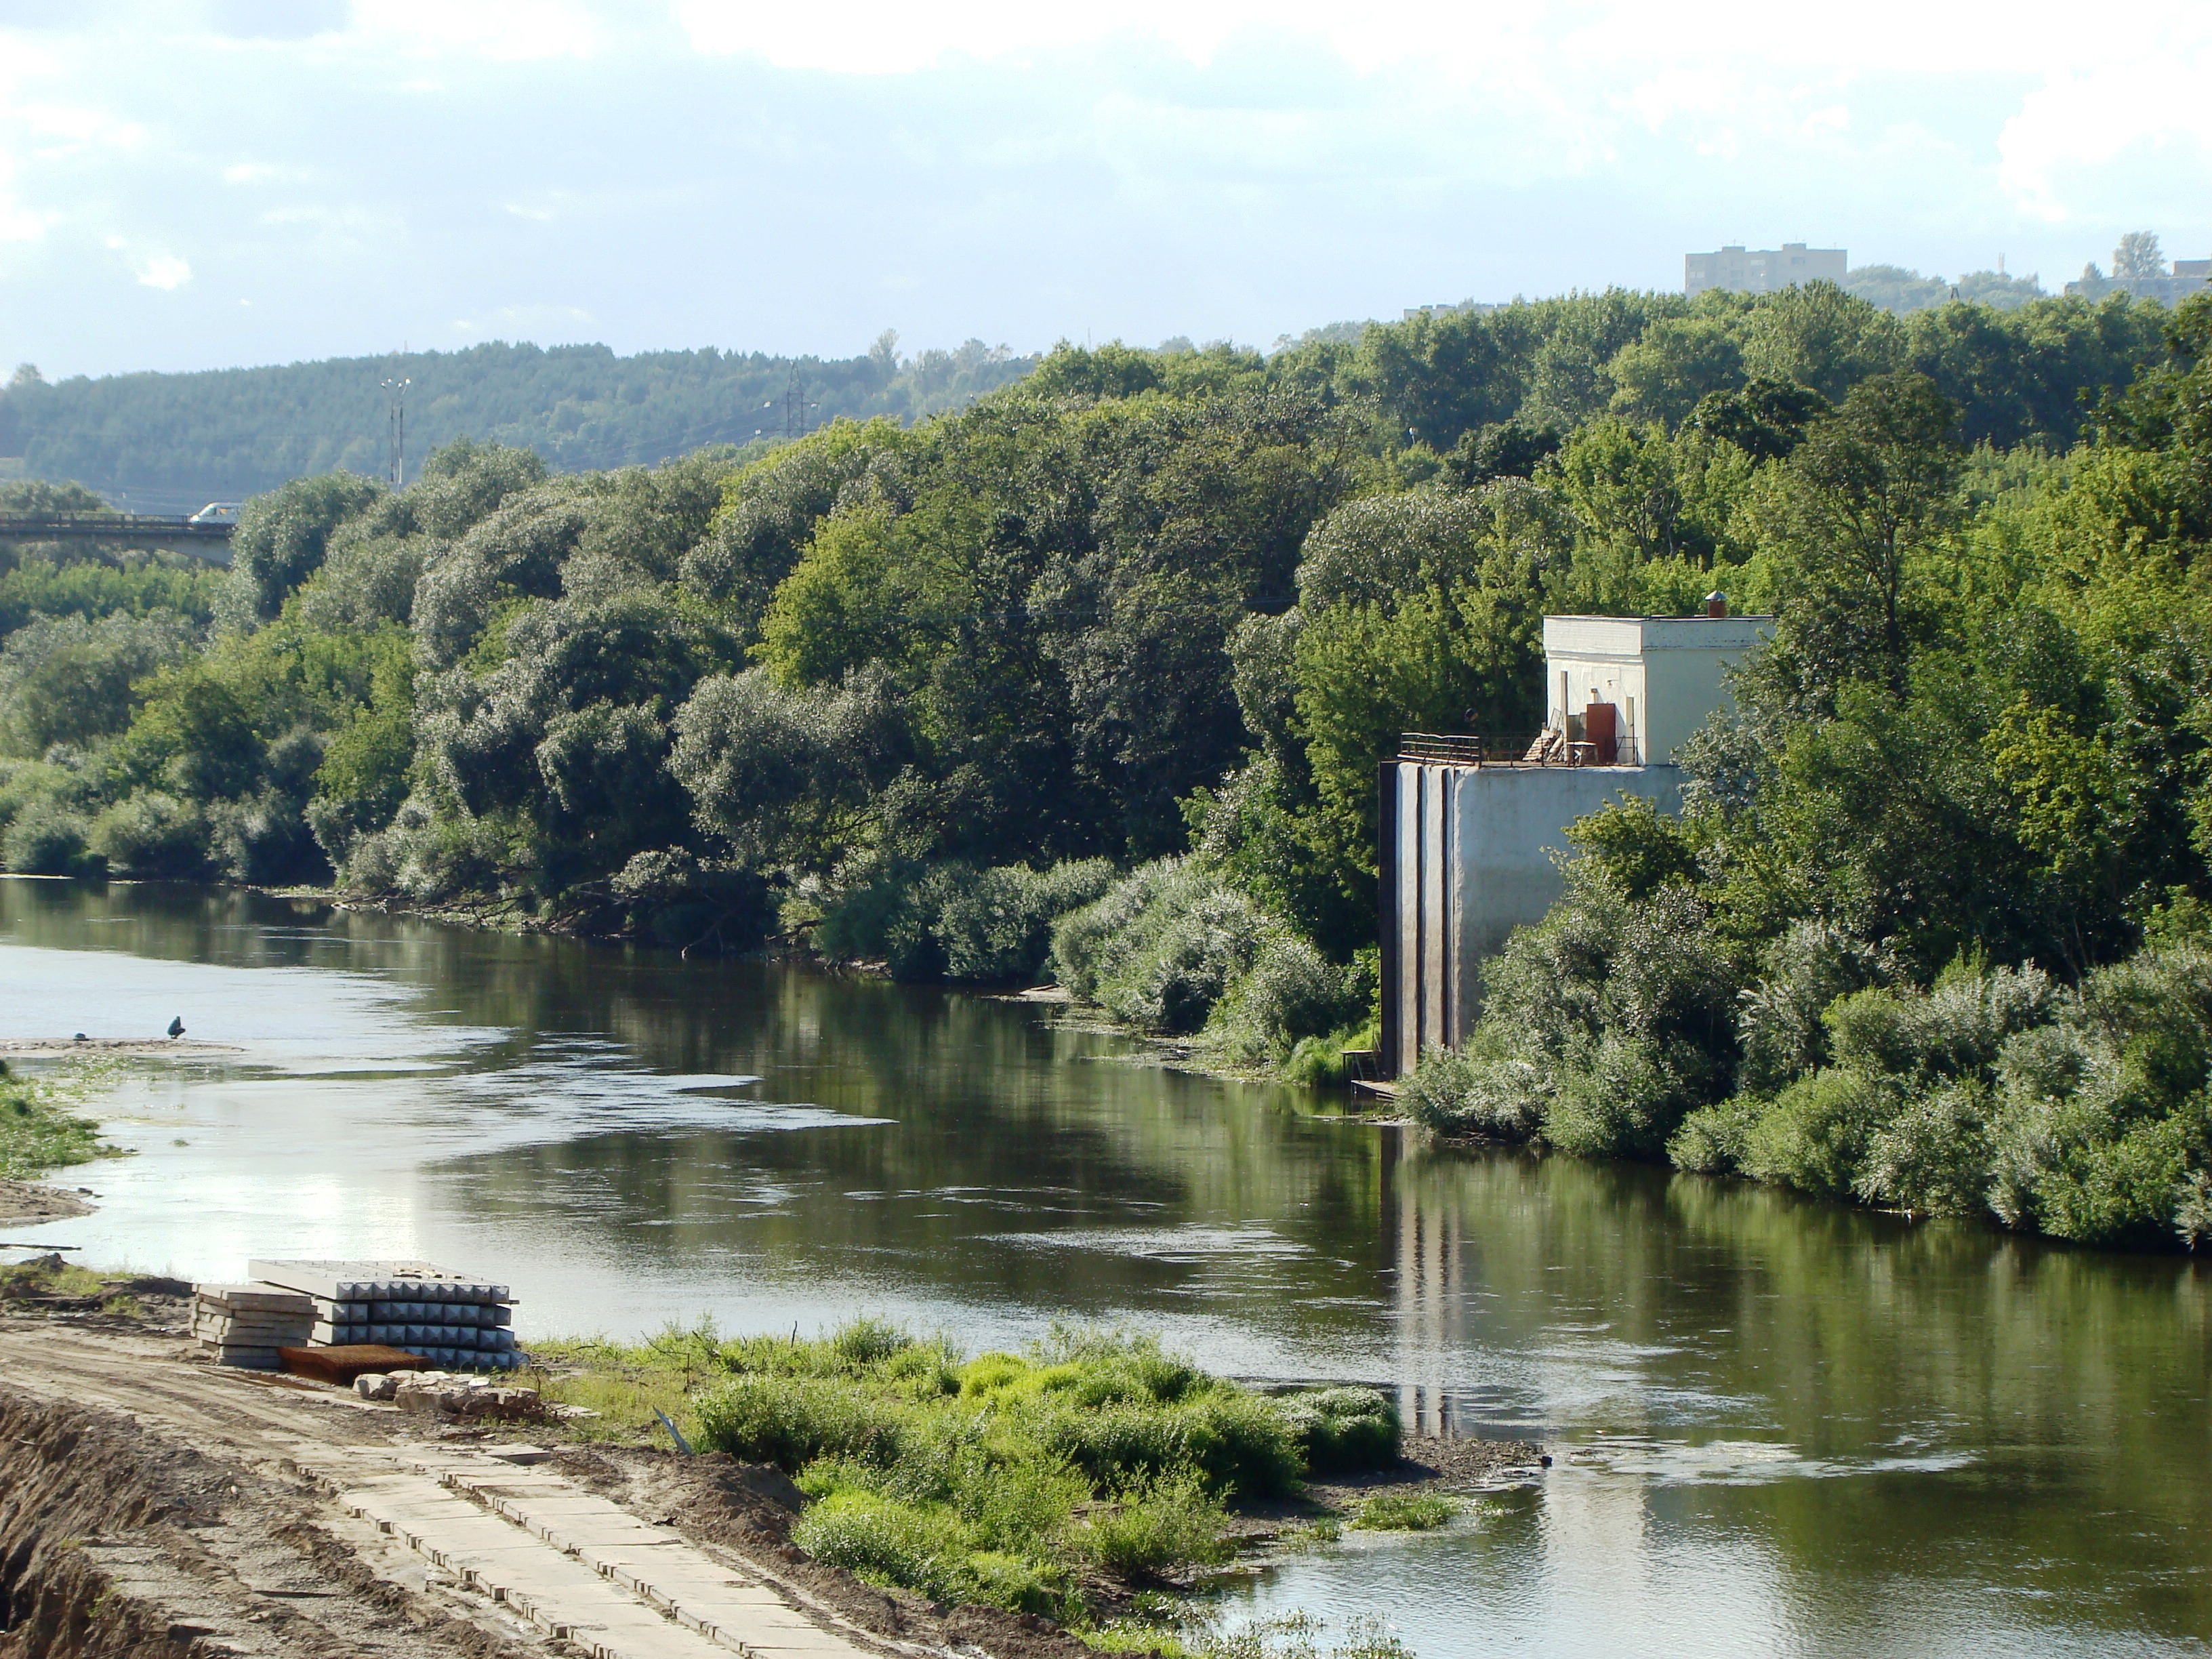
(235, 181)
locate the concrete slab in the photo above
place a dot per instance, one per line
(576, 1565)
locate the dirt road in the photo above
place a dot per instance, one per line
(152, 1504)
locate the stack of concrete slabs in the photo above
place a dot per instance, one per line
(454, 1321)
(243, 1325)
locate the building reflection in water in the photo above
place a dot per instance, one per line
(1423, 1246)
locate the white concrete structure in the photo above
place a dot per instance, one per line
(1470, 845)
(1661, 674)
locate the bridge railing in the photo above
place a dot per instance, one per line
(113, 526)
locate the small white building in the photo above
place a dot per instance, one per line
(1662, 676)
(1469, 829)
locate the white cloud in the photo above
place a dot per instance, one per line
(798, 177)
(263, 172)
(509, 30)
(1468, 38)
(165, 272)
(2069, 131)
(18, 223)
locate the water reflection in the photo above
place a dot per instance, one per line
(1782, 1427)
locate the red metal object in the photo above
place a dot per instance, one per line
(342, 1362)
(1602, 733)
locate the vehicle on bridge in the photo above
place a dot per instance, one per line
(216, 513)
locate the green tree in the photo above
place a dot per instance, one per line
(1661, 375)
(1856, 512)
(1820, 337)
(281, 537)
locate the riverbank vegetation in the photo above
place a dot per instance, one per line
(1933, 931)
(1090, 678)
(38, 1131)
(1057, 1481)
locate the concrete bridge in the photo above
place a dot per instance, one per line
(203, 537)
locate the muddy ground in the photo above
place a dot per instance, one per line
(39, 1201)
(61, 1047)
(149, 1505)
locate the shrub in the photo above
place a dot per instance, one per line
(1479, 1089)
(2102, 1126)
(1173, 947)
(1193, 958)
(1160, 947)
(886, 1541)
(436, 857)
(1779, 1025)
(952, 921)
(1613, 1017)
(1403, 1511)
(1619, 1097)
(1716, 1140)
(1815, 1134)
(996, 927)
(2193, 1209)
(1172, 1522)
(263, 836)
(151, 834)
(790, 1423)
(1956, 1028)
(1934, 1156)
(1289, 991)
(1341, 1429)
(47, 839)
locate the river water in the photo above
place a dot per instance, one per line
(1780, 1427)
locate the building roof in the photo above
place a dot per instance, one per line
(1634, 636)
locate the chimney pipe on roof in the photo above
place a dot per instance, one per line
(1716, 603)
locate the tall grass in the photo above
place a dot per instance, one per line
(1022, 1480)
(36, 1132)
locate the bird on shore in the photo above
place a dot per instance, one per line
(177, 1026)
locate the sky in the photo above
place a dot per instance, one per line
(217, 182)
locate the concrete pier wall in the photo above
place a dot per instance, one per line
(1468, 855)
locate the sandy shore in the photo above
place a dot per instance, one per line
(58, 1048)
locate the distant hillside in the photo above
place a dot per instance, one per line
(158, 441)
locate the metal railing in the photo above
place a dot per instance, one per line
(1551, 747)
(1440, 749)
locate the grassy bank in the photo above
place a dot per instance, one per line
(37, 1131)
(1063, 1480)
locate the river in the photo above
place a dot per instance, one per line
(1781, 1427)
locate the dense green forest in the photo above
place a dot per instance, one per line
(1091, 678)
(172, 441)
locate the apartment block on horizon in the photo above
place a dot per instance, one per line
(1762, 269)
